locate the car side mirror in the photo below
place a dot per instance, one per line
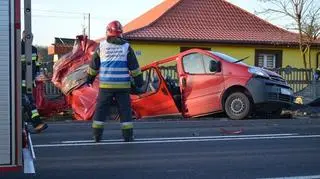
(215, 66)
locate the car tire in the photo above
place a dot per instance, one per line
(237, 106)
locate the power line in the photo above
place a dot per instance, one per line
(57, 11)
(69, 12)
(67, 17)
(81, 14)
(58, 17)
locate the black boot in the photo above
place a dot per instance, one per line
(97, 134)
(38, 124)
(127, 135)
(40, 127)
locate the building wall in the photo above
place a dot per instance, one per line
(149, 52)
(293, 58)
(237, 52)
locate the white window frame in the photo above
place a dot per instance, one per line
(265, 59)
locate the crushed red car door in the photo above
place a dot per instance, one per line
(155, 98)
(200, 88)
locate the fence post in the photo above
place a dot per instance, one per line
(314, 86)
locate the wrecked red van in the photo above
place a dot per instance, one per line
(199, 82)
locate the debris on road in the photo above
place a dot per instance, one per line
(231, 132)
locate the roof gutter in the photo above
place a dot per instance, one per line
(288, 44)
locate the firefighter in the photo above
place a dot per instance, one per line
(115, 61)
(28, 102)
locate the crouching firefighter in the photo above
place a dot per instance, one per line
(115, 61)
(28, 103)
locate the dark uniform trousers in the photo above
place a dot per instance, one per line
(105, 101)
(30, 110)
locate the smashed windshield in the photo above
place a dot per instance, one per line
(228, 58)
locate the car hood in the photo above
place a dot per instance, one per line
(270, 73)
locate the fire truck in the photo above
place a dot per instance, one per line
(16, 151)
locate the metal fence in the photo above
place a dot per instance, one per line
(50, 90)
(297, 78)
(169, 71)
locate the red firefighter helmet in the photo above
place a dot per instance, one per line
(114, 28)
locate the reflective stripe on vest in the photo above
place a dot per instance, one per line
(92, 71)
(33, 57)
(34, 114)
(23, 83)
(23, 58)
(136, 72)
(114, 72)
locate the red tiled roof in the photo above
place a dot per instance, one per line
(150, 16)
(205, 21)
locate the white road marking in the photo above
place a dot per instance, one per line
(181, 138)
(297, 177)
(196, 139)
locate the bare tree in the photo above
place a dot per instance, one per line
(305, 15)
(311, 30)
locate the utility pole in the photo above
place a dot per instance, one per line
(28, 45)
(89, 26)
(84, 25)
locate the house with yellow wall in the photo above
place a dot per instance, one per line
(174, 26)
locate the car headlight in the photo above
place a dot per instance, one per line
(258, 72)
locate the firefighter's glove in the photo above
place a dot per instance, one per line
(89, 81)
(139, 90)
(134, 88)
(89, 84)
(138, 81)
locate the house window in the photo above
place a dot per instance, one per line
(182, 49)
(268, 58)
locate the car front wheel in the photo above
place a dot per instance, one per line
(237, 106)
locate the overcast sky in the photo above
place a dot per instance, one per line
(66, 18)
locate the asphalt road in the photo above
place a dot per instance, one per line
(180, 149)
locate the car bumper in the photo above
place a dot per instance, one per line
(268, 91)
